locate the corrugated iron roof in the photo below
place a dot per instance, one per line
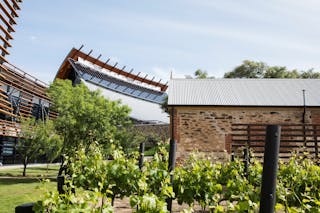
(244, 92)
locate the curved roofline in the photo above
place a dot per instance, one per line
(76, 53)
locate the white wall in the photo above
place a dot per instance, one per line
(140, 109)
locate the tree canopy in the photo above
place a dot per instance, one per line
(199, 74)
(86, 116)
(253, 69)
(37, 138)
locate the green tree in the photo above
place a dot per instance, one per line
(252, 69)
(86, 116)
(310, 74)
(34, 139)
(51, 141)
(164, 105)
(280, 72)
(248, 69)
(200, 74)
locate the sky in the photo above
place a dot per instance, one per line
(164, 36)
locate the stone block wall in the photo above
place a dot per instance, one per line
(161, 130)
(208, 129)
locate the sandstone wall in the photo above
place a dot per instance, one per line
(208, 129)
(161, 130)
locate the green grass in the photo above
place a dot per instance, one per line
(16, 190)
(150, 151)
(32, 171)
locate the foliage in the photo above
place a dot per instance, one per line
(116, 178)
(29, 144)
(197, 181)
(156, 175)
(82, 201)
(51, 141)
(252, 69)
(297, 188)
(280, 72)
(119, 177)
(37, 138)
(164, 104)
(199, 74)
(85, 116)
(299, 184)
(148, 203)
(154, 185)
(248, 69)
(131, 138)
(220, 186)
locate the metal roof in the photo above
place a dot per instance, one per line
(244, 92)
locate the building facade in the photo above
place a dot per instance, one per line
(142, 94)
(21, 95)
(208, 114)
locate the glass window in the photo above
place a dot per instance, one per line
(86, 76)
(128, 90)
(95, 79)
(136, 93)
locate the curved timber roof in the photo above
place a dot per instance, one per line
(141, 94)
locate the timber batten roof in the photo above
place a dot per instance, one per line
(77, 53)
(117, 85)
(140, 92)
(244, 92)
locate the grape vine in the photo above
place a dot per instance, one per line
(215, 186)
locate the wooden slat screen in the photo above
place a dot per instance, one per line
(294, 137)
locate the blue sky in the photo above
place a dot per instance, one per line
(157, 37)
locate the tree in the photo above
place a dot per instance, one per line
(164, 105)
(310, 74)
(199, 74)
(35, 139)
(52, 142)
(252, 69)
(248, 69)
(86, 116)
(280, 72)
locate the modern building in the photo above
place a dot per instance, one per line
(21, 95)
(218, 115)
(143, 95)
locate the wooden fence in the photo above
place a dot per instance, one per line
(294, 137)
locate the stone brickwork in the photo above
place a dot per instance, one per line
(208, 129)
(161, 130)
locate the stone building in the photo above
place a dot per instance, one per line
(206, 110)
